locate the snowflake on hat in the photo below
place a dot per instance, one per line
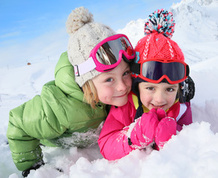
(160, 21)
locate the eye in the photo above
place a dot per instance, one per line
(170, 89)
(109, 80)
(150, 88)
(127, 73)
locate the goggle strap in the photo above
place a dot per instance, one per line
(187, 70)
(135, 68)
(84, 67)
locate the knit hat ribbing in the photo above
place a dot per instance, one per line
(85, 34)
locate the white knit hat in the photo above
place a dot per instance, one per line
(85, 34)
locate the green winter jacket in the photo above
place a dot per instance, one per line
(59, 112)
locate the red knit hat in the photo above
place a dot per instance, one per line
(157, 43)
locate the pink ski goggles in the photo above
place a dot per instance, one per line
(107, 55)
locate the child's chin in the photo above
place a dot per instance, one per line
(121, 102)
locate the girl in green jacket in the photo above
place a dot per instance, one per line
(92, 73)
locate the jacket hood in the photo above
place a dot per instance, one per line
(65, 78)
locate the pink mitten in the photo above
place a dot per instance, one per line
(161, 114)
(164, 131)
(141, 132)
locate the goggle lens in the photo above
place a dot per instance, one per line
(154, 70)
(109, 52)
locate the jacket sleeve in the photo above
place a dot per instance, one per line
(113, 140)
(186, 118)
(30, 122)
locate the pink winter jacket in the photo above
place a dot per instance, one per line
(113, 141)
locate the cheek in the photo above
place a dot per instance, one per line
(128, 81)
(145, 98)
(104, 94)
(172, 99)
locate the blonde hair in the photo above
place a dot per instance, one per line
(90, 93)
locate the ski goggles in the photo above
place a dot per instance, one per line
(107, 55)
(155, 71)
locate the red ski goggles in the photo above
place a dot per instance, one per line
(155, 71)
(107, 55)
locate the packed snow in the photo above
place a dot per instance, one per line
(191, 153)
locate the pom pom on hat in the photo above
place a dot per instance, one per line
(85, 34)
(78, 18)
(160, 21)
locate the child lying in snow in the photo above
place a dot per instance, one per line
(89, 75)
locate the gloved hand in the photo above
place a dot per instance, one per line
(142, 131)
(161, 113)
(34, 167)
(164, 131)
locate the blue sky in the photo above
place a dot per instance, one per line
(22, 21)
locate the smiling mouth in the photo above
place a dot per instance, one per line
(120, 96)
(158, 107)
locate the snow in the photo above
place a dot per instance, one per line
(192, 153)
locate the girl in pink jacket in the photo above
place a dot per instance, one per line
(159, 104)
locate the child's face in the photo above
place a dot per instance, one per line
(162, 95)
(113, 86)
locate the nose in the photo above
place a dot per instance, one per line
(159, 98)
(121, 85)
